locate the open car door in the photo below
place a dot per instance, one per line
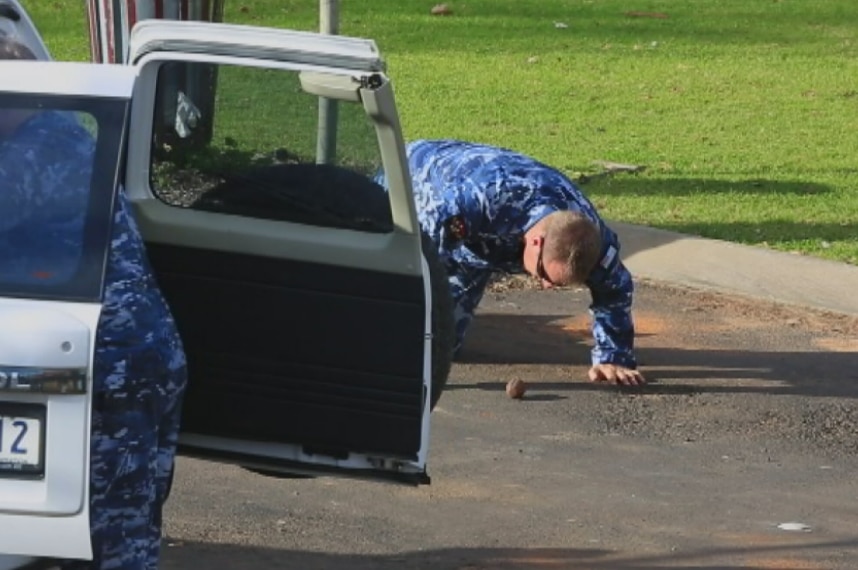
(297, 282)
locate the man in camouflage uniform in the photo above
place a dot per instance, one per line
(46, 163)
(490, 209)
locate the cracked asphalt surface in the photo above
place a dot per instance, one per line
(750, 421)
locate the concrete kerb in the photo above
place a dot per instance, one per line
(739, 269)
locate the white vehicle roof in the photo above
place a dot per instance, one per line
(66, 78)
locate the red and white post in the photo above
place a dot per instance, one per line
(111, 21)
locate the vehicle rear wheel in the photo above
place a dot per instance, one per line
(443, 325)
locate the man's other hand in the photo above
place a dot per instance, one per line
(616, 374)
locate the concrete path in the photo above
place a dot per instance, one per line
(739, 269)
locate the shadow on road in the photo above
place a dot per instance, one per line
(767, 359)
(216, 557)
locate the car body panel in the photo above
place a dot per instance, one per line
(49, 310)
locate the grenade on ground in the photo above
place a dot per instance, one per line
(516, 388)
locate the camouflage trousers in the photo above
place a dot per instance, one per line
(467, 286)
(135, 426)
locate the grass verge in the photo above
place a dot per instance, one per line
(745, 112)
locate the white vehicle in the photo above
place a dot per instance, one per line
(318, 329)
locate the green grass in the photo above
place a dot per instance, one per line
(745, 112)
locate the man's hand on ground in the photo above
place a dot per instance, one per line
(616, 374)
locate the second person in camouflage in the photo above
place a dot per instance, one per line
(47, 160)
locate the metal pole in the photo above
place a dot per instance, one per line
(326, 136)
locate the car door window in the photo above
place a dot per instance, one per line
(251, 149)
(58, 159)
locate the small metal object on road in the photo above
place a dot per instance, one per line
(794, 527)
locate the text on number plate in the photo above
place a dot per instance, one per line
(20, 441)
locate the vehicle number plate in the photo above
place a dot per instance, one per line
(22, 440)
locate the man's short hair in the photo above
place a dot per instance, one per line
(572, 237)
(13, 49)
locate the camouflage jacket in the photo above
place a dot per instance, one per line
(476, 202)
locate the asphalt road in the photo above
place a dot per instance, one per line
(750, 422)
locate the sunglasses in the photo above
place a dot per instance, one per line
(540, 268)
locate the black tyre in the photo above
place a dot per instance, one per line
(443, 325)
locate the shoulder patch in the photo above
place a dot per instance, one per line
(456, 228)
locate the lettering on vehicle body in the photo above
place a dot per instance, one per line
(43, 380)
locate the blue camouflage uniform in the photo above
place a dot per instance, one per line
(139, 366)
(476, 202)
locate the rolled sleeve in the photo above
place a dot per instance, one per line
(613, 327)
